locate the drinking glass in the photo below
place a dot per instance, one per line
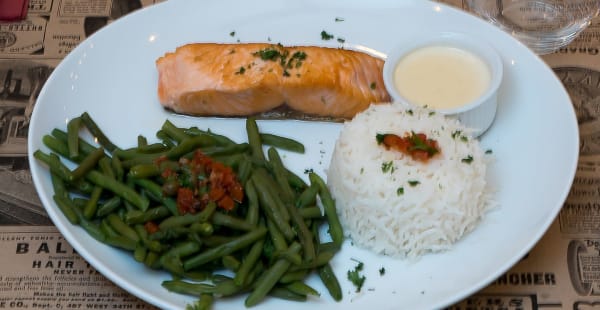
(543, 25)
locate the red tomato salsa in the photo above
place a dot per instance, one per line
(201, 180)
(415, 145)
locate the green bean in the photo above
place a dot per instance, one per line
(151, 245)
(73, 127)
(230, 262)
(194, 289)
(151, 151)
(205, 302)
(225, 249)
(92, 204)
(149, 185)
(282, 142)
(87, 164)
(290, 254)
(183, 249)
(54, 164)
(152, 260)
(320, 260)
(97, 132)
(140, 252)
(118, 188)
(58, 184)
(252, 214)
(276, 237)
(203, 228)
(67, 208)
(152, 214)
(223, 219)
(108, 206)
(197, 275)
(187, 145)
(270, 278)
(219, 139)
(117, 166)
(308, 197)
(227, 150)
(330, 281)
(59, 147)
(106, 167)
(254, 139)
(122, 228)
(121, 242)
(249, 261)
(279, 172)
(296, 181)
(293, 275)
(172, 264)
(274, 189)
(302, 288)
(107, 229)
(335, 228)
(328, 247)
(141, 141)
(188, 218)
(212, 241)
(90, 227)
(173, 131)
(84, 147)
(286, 294)
(270, 208)
(304, 234)
(310, 212)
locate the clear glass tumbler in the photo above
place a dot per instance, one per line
(543, 25)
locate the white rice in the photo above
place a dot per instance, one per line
(448, 201)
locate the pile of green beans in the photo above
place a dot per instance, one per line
(266, 246)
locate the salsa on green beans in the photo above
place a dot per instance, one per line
(223, 218)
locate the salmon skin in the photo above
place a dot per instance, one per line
(214, 79)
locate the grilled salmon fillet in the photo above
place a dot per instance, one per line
(213, 79)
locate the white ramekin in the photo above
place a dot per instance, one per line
(478, 114)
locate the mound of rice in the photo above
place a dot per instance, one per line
(397, 206)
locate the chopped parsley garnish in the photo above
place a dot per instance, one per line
(281, 55)
(308, 170)
(488, 151)
(400, 191)
(467, 160)
(456, 134)
(379, 137)
(464, 139)
(241, 70)
(232, 33)
(339, 19)
(326, 36)
(373, 85)
(420, 144)
(387, 166)
(341, 40)
(431, 113)
(355, 277)
(268, 53)
(409, 112)
(381, 271)
(413, 183)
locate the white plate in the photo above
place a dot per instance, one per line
(535, 138)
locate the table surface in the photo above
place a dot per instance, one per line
(562, 271)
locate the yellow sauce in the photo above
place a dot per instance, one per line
(441, 77)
